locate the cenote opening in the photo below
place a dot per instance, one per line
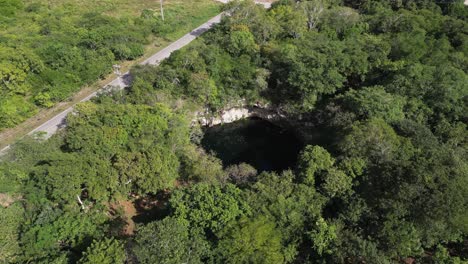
(263, 145)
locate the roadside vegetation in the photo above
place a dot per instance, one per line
(384, 179)
(51, 49)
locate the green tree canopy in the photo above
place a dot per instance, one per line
(170, 241)
(209, 207)
(107, 251)
(253, 241)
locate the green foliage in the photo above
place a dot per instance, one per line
(11, 176)
(43, 99)
(208, 207)
(123, 136)
(242, 41)
(376, 89)
(336, 183)
(10, 220)
(127, 52)
(241, 174)
(54, 230)
(375, 140)
(108, 150)
(292, 23)
(323, 236)
(442, 256)
(374, 102)
(291, 205)
(402, 238)
(356, 248)
(15, 66)
(313, 69)
(316, 166)
(170, 241)
(62, 175)
(107, 251)
(341, 19)
(312, 160)
(201, 87)
(151, 171)
(197, 165)
(253, 241)
(13, 110)
(10, 7)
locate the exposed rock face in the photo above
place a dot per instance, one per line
(238, 113)
(301, 127)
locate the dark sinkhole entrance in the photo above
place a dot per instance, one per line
(263, 145)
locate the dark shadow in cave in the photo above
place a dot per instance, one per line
(265, 146)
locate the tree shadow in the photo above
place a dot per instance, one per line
(151, 208)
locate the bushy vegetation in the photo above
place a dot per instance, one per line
(384, 179)
(50, 49)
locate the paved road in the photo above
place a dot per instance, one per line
(51, 126)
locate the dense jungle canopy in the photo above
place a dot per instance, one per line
(379, 89)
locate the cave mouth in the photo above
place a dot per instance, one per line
(265, 146)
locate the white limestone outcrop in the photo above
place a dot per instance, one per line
(237, 113)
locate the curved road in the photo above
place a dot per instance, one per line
(51, 126)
